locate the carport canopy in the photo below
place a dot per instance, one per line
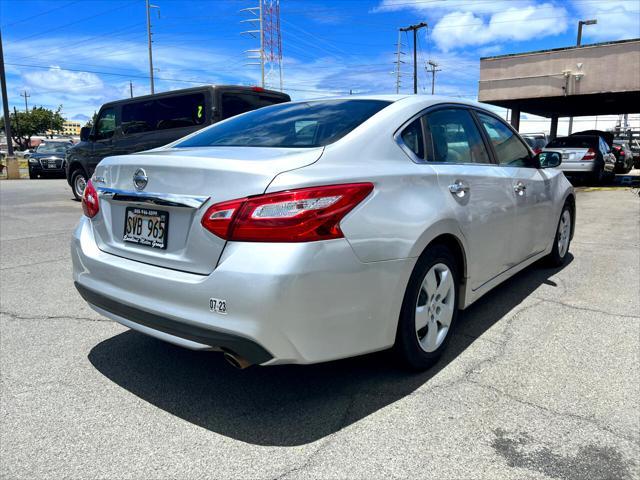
(596, 79)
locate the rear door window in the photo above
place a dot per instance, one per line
(138, 117)
(164, 113)
(180, 111)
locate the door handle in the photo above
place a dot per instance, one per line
(520, 188)
(459, 188)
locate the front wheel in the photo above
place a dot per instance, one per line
(78, 182)
(429, 309)
(562, 239)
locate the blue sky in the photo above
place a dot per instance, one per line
(83, 53)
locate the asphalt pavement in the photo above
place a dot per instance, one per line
(541, 380)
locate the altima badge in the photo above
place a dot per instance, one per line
(140, 179)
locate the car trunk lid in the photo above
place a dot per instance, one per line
(180, 183)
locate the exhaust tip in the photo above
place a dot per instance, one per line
(236, 360)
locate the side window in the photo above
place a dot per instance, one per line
(412, 137)
(508, 147)
(138, 117)
(180, 111)
(455, 137)
(106, 124)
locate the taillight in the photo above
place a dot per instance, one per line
(303, 215)
(90, 203)
(590, 155)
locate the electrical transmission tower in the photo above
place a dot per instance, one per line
(265, 26)
(398, 63)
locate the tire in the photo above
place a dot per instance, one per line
(32, 175)
(562, 238)
(598, 176)
(78, 181)
(430, 299)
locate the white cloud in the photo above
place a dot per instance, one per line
(463, 28)
(56, 79)
(617, 20)
(438, 7)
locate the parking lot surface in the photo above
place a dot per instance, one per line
(541, 379)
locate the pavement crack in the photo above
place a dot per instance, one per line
(33, 264)
(574, 416)
(16, 316)
(586, 309)
(329, 439)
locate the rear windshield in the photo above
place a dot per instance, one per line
(310, 124)
(535, 142)
(573, 142)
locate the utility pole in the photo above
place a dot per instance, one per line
(131, 88)
(433, 70)
(414, 29)
(398, 62)
(26, 96)
(579, 43)
(149, 7)
(5, 103)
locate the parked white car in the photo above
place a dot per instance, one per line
(311, 231)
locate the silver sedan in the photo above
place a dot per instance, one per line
(311, 231)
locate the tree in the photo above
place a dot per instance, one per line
(38, 120)
(92, 121)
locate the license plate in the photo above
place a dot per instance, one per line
(146, 227)
(52, 164)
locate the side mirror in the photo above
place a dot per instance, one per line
(85, 133)
(549, 159)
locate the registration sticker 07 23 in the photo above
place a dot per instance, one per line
(218, 306)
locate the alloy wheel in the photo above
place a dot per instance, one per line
(564, 233)
(435, 307)
(79, 184)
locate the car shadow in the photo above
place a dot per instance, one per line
(287, 405)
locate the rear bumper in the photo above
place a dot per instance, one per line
(583, 167)
(286, 303)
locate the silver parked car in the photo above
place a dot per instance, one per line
(311, 231)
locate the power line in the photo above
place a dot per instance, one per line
(49, 30)
(31, 17)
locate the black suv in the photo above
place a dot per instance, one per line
(48, 159)
(151, 121)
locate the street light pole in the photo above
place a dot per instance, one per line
(579, 43)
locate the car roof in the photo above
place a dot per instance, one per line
(419, 99)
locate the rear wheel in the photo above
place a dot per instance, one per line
(598, 175)
(562, 239)
(78, 183)
(429, 309)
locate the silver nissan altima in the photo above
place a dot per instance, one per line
(311, 231)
